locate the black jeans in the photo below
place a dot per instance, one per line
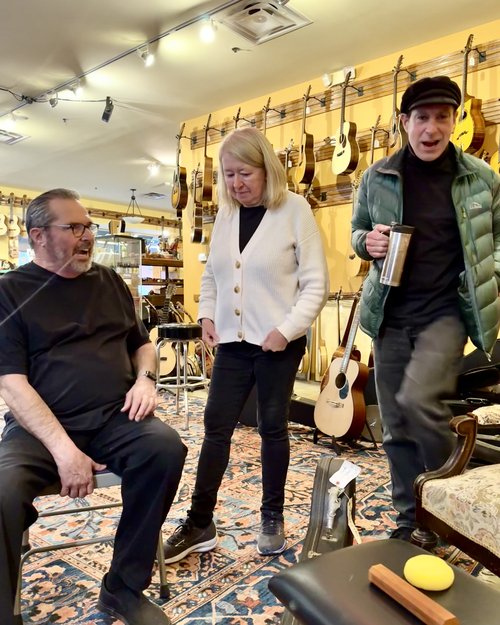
(414, 369)
(237, 367)
(149, 457)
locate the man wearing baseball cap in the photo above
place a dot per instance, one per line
(449, 286)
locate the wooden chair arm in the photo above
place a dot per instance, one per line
(465, 427)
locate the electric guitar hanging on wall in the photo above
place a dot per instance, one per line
(397, 137)
(304, 171)
(346, 151)
(340, 407)
(470, 126)
(179, 185)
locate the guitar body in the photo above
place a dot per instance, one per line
(179, 189)
(340, 407)
(356, 266)
(470, 127)
(346, 152)
(168, 358)
(197, 226)
(494, 162)
(397, 138)
(304, 172)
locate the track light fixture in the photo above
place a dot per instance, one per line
(53, 97)
(131, 216)
(147, 56)
(207, 31)
(76, 89)
(108, 109)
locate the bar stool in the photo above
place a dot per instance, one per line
(180, 336)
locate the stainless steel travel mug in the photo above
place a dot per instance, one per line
(392, 269)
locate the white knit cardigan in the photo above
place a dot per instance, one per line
(280, 280)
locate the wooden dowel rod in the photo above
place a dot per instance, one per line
(416, 602)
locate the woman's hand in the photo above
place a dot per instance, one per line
(209, 335)
(274, 342)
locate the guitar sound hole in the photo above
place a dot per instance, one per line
(340, 380)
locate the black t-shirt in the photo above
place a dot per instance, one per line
(73, 338)
(434, 260)
(250, 218)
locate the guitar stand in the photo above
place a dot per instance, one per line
(335, 446)
(372, 437)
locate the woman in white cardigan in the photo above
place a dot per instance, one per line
(264, 284)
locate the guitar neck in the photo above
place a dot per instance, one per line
(350, 342)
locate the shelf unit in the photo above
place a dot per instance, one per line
(165, 278)
(123, 253)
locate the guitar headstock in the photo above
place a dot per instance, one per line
(397, 67)
(345, 84)
(356, 181)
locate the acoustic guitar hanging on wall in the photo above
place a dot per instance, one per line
(179, 184)
(346, 151)
(306, 166)
(470, 126)
(397, 136)
(13, 230)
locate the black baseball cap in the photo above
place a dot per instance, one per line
(435, 90)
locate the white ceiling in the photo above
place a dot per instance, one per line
(48, 43)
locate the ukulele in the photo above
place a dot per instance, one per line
(397, 137)
(470, 126)
(13, 230)
(167, 358)
(346, 151)
(340, 407)
(356, 267)
(179, 186)
(304, 172)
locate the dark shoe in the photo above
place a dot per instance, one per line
(403, 533)
(271, 539)
(130, 606)
(187, 538)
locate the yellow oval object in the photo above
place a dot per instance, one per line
(428, 572)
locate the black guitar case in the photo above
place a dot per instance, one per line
(320, 538)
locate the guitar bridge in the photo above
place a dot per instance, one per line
(335, 404)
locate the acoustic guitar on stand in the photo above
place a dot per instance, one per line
(346, 151)
(340, 407)
(179, 186)
(167, 355)
(470, 126)
(397, 136)
(305, 169)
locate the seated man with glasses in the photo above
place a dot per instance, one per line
(77, 374)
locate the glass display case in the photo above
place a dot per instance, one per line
(122, 253)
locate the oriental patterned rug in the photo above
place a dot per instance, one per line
(227, 586)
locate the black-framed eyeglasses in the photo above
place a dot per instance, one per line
(77, 229)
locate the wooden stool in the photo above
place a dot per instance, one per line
(180, 336)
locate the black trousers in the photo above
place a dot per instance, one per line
(148, 455)
(237, 368)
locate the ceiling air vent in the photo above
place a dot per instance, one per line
(9, 138)
(261, 21)
(152, 195)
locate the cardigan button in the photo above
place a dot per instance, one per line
(237, 312)
(240, 335)
(236, 289)
(237, 264)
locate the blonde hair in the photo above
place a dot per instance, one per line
(251, 147)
